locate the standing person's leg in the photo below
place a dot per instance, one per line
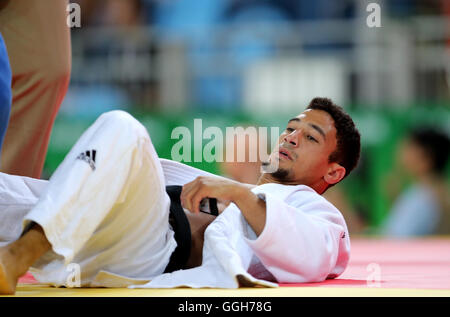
(38, 41)
(105, 209)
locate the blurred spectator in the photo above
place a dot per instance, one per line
(113, 58)
(121, 13)
(423, 208)
(114, 12)
(408, 8)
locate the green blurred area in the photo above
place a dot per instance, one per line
(381, 130)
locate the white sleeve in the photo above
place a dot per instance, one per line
(176, 173)
(18, 195)
(304, 240)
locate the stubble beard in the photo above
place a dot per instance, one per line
(281, 174)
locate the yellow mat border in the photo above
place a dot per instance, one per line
(36, 290)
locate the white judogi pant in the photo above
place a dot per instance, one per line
(109, 216)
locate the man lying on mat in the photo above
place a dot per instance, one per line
(107, 209)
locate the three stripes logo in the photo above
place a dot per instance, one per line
(88, 157)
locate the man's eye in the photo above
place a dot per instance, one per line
(311, 138)
(290, 130)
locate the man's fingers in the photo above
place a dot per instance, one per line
(199, 192)
(193, 193)
(196, 199)
(186, 193)
(188, 197)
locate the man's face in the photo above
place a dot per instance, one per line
(413, 158)
(304, 148)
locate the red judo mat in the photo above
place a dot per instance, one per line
(387, 263)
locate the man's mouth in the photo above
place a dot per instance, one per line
(285, 154)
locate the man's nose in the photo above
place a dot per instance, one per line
(292, 138)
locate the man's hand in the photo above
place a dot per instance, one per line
(225, 191)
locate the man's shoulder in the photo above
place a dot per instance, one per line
(297, 195)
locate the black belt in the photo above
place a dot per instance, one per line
(182, 229)
(180, 225)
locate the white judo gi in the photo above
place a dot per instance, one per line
(106, 209)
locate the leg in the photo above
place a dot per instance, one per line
(106, 211)
(38, 42)
(17, 257)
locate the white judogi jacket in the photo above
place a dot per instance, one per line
(305, 238)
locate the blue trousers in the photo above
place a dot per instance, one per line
(5, 90)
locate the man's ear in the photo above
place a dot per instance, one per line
(335, 173)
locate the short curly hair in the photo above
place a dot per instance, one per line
(436, 145)
(348, 148)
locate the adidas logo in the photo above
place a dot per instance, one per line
(88, 157)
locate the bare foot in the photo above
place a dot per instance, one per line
(8, 279)
(17, 257)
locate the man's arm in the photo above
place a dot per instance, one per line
(252, 207)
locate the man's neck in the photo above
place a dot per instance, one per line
(267, 178)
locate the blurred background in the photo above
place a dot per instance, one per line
(260, 62)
